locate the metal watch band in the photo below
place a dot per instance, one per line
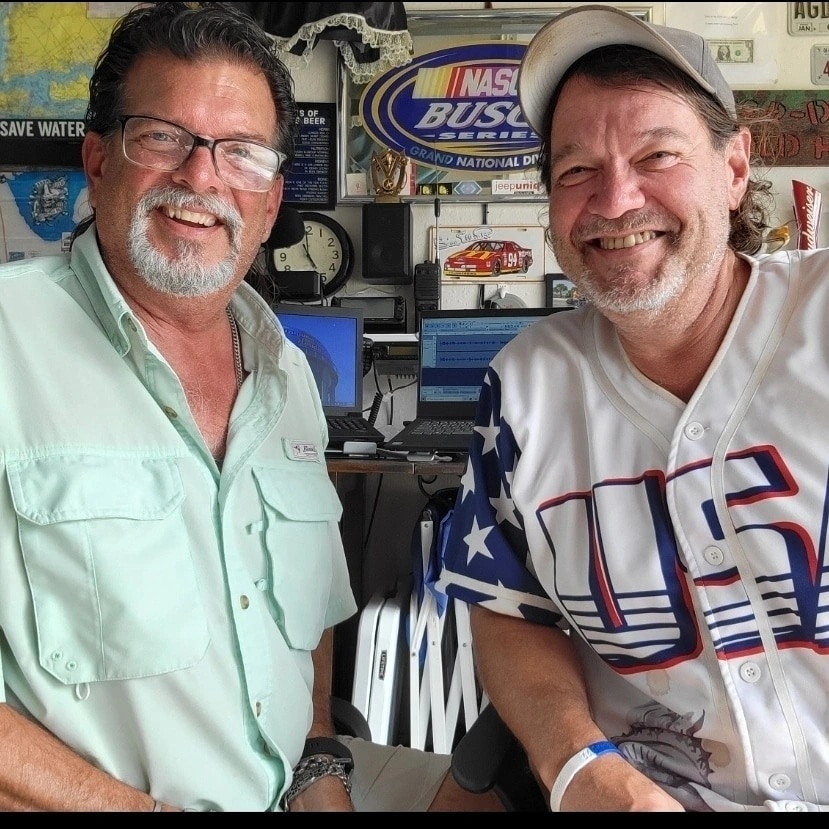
(328, 745)
(311, 769)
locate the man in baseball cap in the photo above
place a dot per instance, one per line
(640, 529)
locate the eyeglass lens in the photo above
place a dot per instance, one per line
(161, 145)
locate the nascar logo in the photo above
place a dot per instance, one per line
(454, 109)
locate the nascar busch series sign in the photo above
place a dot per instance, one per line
(454, 109)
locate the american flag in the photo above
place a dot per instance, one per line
(485, 559)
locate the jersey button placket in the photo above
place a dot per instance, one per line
(714, 556)
(780, 781)
(750, 672)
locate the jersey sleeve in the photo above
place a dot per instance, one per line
(486, 559)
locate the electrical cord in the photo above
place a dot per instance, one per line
(373, 511)
(375, 407)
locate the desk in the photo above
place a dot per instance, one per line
(349, 477)
(368, 466)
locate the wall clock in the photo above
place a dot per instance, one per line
(325, 248)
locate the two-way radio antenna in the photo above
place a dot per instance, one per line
(437, 202)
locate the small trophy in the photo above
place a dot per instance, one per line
(388, 175)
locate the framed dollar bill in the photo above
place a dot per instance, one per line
(732, 51)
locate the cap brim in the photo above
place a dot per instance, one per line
(571, 35)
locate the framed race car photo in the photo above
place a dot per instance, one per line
(491, 253)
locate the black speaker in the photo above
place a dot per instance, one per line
(387, 243)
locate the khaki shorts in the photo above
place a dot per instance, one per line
(394, 778)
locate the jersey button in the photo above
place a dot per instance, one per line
(750, 672)
(694, 431)
(780, 781)
(714, 556)
(794, 806)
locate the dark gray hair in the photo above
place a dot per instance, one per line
(192, 32)
(619, 66)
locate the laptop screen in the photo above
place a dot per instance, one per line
(332, 340)
(456, 348)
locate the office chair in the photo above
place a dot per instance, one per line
(488, 757)
(348, 719)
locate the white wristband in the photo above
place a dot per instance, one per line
(574, 765)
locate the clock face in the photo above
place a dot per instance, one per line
(325, 249)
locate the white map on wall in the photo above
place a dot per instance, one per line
(47, 51)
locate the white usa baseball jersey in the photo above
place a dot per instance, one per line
(684, 546)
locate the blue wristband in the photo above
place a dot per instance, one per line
(574, 765)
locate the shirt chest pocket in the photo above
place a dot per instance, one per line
(109, 566)
(301, 534)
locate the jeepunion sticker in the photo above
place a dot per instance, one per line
(510, 188)
(454, 109)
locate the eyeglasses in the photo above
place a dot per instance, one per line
(163, 145)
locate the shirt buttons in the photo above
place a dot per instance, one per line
(750, 672)
(780, 781)
(170, 412)
(714, 556)
(261, 584)
(258, 708)
(794, 806)
(694, 431)
(131, 325)
(244, 602)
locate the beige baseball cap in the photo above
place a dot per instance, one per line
(574, 33)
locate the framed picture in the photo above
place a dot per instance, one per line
(489, 253)
(560, 292)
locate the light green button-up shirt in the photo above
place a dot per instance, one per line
(157, 615)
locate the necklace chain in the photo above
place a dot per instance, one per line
(237, 349)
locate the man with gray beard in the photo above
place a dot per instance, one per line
(171, 566)
(642, 524)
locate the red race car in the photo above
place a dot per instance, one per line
(488, 258)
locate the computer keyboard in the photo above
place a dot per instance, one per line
(351, 427)
(437, 426)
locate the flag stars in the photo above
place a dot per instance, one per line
(489, 434)
(504, 508)
(476, 541)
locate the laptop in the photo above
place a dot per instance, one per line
(332, 340)
(455, 348)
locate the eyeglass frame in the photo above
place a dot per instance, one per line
(199, 141)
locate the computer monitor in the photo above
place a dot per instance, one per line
(332, 340)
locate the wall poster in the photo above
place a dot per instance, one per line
(310, 184)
